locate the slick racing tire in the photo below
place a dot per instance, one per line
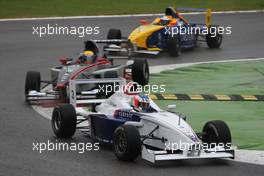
(216, 132)
(114, 34)
(127, 144)
(174, 46)
(64, 121)
(32, 81)
(140, 72)
(213, 38)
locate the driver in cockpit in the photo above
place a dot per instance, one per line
(87, 57)
(141, 103)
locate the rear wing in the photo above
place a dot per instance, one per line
(108, 41)
(91, 96)
(122, 46)
(208, 13)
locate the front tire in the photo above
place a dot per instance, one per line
(127, 144)
(216, 132)
(64, 121)
(174, 46)
(140, 72)
(32, 81)
(114, 34)
(213, 38)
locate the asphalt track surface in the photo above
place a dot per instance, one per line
(20, 126)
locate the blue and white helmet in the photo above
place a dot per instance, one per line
(141, 102)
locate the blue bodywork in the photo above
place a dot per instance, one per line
(103, 127)
(159, 38)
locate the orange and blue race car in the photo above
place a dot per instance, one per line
(171, 33)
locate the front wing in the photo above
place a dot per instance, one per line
(155, 156)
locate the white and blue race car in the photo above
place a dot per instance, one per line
(153, 133)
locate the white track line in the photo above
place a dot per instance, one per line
(250, 156)
(124, 16)
(160, 68)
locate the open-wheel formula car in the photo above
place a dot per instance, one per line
(170, 33)
(135, 126)
(87, 65)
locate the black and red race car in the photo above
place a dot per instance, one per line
(88, 65)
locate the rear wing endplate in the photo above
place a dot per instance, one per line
(208, 13)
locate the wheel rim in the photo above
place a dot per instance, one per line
(57, 120)
(121, 143)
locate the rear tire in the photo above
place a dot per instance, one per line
(114, 34)
(32, 81)
(216, 132)
(127, 144)
(213, 38)
(140, 72)
(64, 121)
(174, 46)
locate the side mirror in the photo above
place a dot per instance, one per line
(144, 22)
(171, 107)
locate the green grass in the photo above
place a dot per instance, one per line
(246, 119)
(41, 8)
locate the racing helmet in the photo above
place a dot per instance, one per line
(141, 102)
(87, 57)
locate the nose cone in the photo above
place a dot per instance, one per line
(140, 34)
